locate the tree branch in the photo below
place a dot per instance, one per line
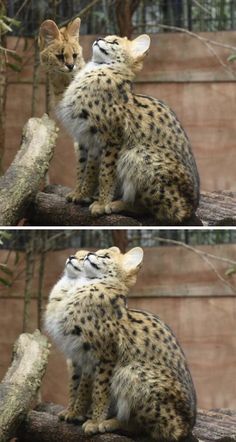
(50, 208)
(206, 257)
(208, 43)
(217, 208)
(20, 385)
(22, 180)
(53, 209)
(80, 14)
(43, 425)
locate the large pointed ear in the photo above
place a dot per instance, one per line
(140, 46)
(114, 249)
(132, 260)
(74, 27)
(47, 33)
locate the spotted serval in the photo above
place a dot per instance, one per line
(62, 57)
(128, 370)
(135, 142)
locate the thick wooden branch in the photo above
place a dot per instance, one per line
(218, 208)
(22, 180)
(43, 425)
(51, 208)
(214, 426)
(22, 381)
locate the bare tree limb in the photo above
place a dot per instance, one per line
(217, 208)
(29, 276)
(51, 209)
(82, 13)
(213, 426)
(124, 13)
(203, 8)
(43, 425)
(22, 180)
(199, 37)
(20, 385)
(206, 257)
(42, 263)
(208, 43)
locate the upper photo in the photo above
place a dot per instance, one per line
(118, 113)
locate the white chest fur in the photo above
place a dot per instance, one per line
(71, 111)
(71, 345)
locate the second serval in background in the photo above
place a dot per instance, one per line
(61, 55)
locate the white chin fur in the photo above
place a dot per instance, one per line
(98, 56)
(71, 272)
(89, 269)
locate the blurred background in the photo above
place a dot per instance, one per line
(188, 278)
(192, 70)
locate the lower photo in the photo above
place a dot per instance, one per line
(117, 335)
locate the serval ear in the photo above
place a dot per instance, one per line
(140, 46)
(132, 260)
(48, 32)
(73, 27)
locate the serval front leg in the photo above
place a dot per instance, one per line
(100, 399)
(74, 381)
(87, 176)
(80, 399)
(107, 181)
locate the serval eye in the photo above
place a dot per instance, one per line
(75, 56)
(104, 256)
(60, 57)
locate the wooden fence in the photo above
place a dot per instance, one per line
(180, 70)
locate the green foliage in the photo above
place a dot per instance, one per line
(7, 23)
(231, 271)
(14, 67)
(231, 58)
(6, 279)
(4, 235)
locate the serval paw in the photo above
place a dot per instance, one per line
(97, 209)
(78, 198)
(71, 416)
(91, 427)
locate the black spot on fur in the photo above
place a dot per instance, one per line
(86, 346)
(75, 377)
(118, 313)
(93, 130)
(84, 114)
(77, 330)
